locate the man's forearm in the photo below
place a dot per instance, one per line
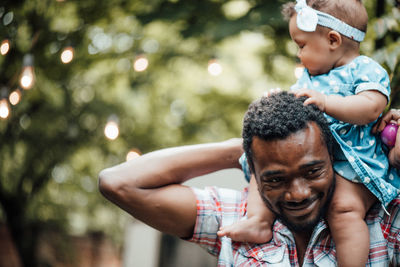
(146, 187)
(174, 165)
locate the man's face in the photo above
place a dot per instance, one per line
(295, 177)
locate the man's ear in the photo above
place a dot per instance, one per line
(335, 40)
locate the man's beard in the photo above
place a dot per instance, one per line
(307, 226)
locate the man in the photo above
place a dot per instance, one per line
(289, 148)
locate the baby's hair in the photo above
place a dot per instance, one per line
(352, 12)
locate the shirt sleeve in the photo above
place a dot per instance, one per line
(216, 207)
(245, 167)
(392, 222)
(369, 75)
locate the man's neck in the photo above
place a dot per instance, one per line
(301, 240)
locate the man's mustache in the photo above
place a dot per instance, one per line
(305, 202)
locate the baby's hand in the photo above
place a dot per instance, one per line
(314, 97)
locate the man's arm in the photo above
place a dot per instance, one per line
(149, 187)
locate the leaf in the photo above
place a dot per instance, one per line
(380, 28)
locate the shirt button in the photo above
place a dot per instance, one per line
(260, 254)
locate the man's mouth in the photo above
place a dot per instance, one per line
(299, 209)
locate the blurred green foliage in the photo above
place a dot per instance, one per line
(52, 145)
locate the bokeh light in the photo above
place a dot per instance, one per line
(15, 97)
(4, 47)
(4, 109)
(141, 63)
(67, 55)
(27, 78)
(111, 130)
(214, 68)
(298, 71)
(132, 154)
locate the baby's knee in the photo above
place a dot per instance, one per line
(340, 206)
(343, 211)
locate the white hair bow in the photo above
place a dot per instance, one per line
(308, 19)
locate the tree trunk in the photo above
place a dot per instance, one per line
(24, 233)
(379, 11)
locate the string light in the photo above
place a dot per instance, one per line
(298, 71)
(132, 154)
(4, 109)
(141, 63)
(67, 55)
(111, 130)
(4, 47)
(15, 97)
(28, 76)
(214, 68)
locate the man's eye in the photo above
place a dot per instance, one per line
(274, 180)
(314, 171)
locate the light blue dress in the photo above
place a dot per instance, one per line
(359, 156)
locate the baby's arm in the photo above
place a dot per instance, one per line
(359, 109)
(257, 228)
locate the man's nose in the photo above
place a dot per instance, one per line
(298, 190)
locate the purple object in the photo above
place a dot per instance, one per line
(389, 133)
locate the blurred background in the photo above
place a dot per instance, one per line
(88, 84)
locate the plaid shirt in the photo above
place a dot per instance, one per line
(219, 207)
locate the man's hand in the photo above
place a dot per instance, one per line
(392, 115)
(314, 97)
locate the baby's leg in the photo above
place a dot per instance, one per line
(349, 205)
(257, 228)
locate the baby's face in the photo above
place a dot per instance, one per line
(314, 50)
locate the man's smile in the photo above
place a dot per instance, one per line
(294, 209)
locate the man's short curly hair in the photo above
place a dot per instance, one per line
(277, 117)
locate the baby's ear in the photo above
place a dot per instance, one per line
(335, 39)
